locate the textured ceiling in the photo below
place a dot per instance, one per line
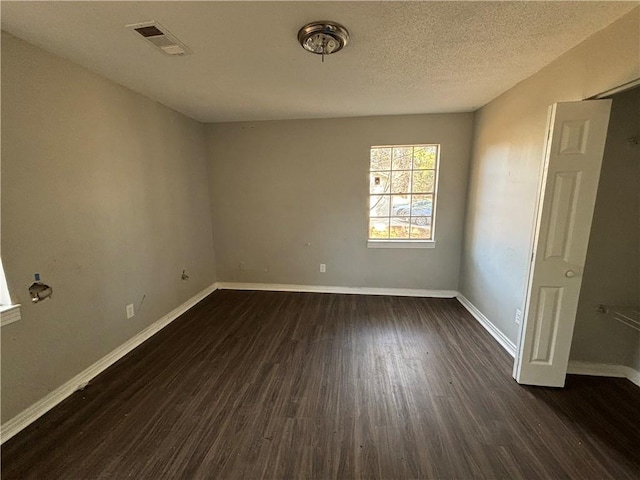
(403, 57)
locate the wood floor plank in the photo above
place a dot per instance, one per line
(277, 385)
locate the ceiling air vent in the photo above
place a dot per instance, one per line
(160, 37)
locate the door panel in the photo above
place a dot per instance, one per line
(547, 318)
(563, 213)
(574, 137)
(573, 157)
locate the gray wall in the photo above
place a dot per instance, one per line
(612, 269)
(277, 186)
(509, 137)
(105, 194)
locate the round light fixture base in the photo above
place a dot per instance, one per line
(323, 37)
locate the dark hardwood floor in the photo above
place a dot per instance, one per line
(274, 385)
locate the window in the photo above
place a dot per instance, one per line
(402, 194)
(9, 313)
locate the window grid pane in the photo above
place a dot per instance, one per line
(405, 189)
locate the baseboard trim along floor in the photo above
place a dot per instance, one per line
(242, 385)
(495, 332)
(400, 292)
(604, 370)
(574, 367)
(42, 406)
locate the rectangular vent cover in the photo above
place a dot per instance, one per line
(160, 37)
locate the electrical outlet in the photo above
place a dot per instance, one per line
(130, 312)
(518, 316)
(242, 267)
(323, 267)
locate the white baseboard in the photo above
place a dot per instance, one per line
(575, 367)
(495, 332)
(401, 292)
(42, 406)
(604, 370)
(578, 368)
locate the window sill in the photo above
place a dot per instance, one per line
(401, 244)
(9, 314)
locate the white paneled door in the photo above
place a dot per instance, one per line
(573, 157)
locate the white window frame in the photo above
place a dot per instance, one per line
(406, 243)
(9, 313)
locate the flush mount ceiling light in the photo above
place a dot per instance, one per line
(323, 38)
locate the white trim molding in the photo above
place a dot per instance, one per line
(401, 244)
(604, 370)
(399, 292)
(575, 367)
(42, 406)
(9, 314)
(495, 332)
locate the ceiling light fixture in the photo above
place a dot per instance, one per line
(323, 37)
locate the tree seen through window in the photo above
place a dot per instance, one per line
(402, 190)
